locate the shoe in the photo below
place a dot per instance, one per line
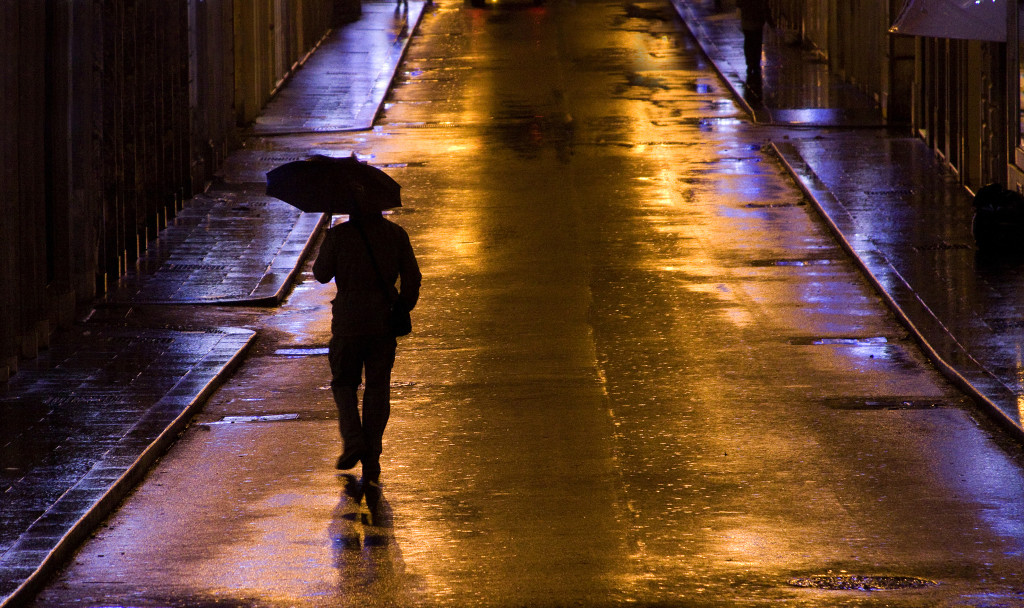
(348, 461)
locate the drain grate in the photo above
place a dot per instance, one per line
(855, 582)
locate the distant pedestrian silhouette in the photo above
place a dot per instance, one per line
(360, 255)
(754, 15)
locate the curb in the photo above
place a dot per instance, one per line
(827, 207)
(412, 26)
(365, 119)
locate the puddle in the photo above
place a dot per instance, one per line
(302, 351)
(888, 403)
(855, 582)
(793, 262)
(773, 205)
(839, 341)
(247, 419)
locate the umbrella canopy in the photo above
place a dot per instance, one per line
(324, 184)
(958, 19)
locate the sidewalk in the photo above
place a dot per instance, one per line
(904, 217)
(84, 421)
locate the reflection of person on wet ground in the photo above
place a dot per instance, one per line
(365, 550)
(754, 15)
(360, 336)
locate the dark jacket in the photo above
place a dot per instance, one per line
(361, 306)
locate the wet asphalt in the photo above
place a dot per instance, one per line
(893, 206)
(644, 371)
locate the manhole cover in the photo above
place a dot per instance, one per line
(855, 582)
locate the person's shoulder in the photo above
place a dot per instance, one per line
(340, 229)
(339, 235)
(395, 228)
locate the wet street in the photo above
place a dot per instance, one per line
(642, 372)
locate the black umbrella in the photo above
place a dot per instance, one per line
(324, 184)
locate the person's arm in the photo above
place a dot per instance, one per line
(409, 272)
(324, 266)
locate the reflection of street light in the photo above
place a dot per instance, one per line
(1019, 372)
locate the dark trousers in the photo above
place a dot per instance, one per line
(349, 357)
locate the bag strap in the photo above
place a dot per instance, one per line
(391, 292)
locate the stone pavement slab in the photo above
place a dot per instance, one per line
(84, 422)
(230, 245)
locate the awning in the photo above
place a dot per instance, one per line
(960, 19)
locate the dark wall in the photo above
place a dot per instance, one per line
(113, 114)
(23, 153)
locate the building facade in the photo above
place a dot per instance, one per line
(112, 115)
(956, 80)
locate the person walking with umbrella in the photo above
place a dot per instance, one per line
(364, 257)
(754, 15)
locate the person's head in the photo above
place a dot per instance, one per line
(363, 207)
